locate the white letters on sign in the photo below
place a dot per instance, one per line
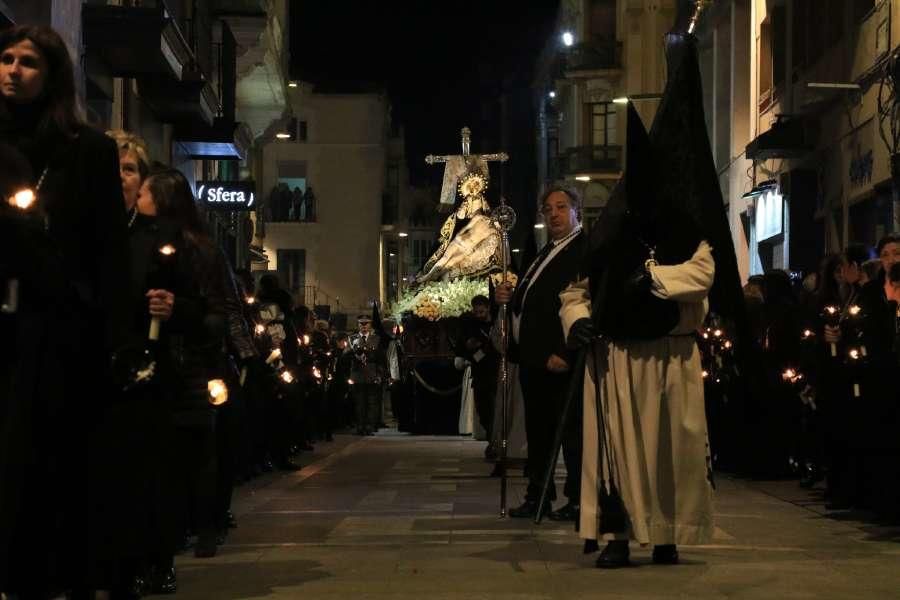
(221, 194)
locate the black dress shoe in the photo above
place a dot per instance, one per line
(569, 512)
(528, 510)
(614, 556)
(163, 581)
(206, 546)
(665, 554)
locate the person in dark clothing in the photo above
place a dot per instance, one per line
(69, 255)
(197, 354)
(879, 397)
(538, 343)
(485, 360)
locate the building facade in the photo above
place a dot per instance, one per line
(799, 96)
(184, 75)
(323, 178)
(605, 51)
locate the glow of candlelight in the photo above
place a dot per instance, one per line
(350, 381)
(705, 374)
(287, 377)
(808, 333)
(305, 339)
(854, 354)
(831, 310)
(23, 199)
(275, 355)
(167, 250)
(251, 300)
(717, 333)
(317, 373)
(218, 392)
(260, 329)
(727, 344)
(789, 374)
(854, 310)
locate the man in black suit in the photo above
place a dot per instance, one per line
(539, 346)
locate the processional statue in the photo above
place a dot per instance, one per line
(474, 241)
(470, 244)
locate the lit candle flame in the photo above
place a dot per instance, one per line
(854, 310)
(789, 374)
(808, 333)
(23, 199)
(218, 392)
(854, 354)
(287, 377)
(305, 339)
(167, 250)
(830, 309)
(705, 374)
(350, 381)
(317, 373)
(251, 300)
(275, 355)
(727, 344)
(717, 333)
(260, 329)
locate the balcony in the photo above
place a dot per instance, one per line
(593, 56)
(287, 206)
(593, 161)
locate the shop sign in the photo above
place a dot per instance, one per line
(227, 195)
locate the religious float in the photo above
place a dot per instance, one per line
(472, 248)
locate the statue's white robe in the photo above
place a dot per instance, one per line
(655, 414)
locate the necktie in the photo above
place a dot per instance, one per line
(519, 296)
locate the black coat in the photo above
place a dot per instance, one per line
(540, 328)
(73, 313)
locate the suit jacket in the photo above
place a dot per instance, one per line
(540, 330)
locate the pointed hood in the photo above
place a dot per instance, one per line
(687, 183)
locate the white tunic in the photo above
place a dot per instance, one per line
(655, 415)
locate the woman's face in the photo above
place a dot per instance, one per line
(145, 202)
(23, 72)
(850, 271)
(131, 177)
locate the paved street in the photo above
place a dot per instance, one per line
(416, 517)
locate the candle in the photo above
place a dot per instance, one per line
(218, 392)
(166, 252)
(273, 356)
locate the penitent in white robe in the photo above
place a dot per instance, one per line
(655, 415)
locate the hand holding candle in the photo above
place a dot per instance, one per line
(161, 301)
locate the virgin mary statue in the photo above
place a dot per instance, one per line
(469, 242)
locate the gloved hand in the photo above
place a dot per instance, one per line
(581, 333)
(639, 282)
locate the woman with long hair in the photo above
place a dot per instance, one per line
(70, 325)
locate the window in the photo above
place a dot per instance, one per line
(603, 124)
(292, 270)
(291, 199)
(765, 60)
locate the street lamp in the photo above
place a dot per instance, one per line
(636, 97)
(552, 94)
(568, 38)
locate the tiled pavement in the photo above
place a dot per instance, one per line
(417, 518)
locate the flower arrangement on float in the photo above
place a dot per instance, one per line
(436, 300)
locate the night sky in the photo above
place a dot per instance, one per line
(439, 61)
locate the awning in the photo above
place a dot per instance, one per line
(223, 140)
(789, 137)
